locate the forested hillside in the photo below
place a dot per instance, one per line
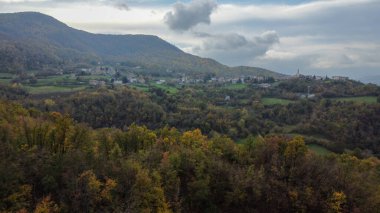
(50, 163)
(333, 123)
(34, 41)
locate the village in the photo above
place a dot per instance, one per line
(108, 75)
(79, 78)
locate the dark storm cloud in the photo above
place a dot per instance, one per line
(185, 16)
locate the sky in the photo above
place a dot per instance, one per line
(319, 37)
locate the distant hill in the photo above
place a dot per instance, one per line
(30, 41)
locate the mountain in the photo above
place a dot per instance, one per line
(30, 41)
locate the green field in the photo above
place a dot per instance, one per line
(140, 87)
(5, 81)
(145, 87)
(320, 150)
(362, 99)
(167, 88)
(6, 75)
(236, 86)
(274, 101)
(51, 89)
(54, 80)
(95, 77)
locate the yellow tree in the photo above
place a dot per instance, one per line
(147, 194)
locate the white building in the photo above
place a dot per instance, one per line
(339, 78)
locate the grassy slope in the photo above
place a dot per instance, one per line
(320, 150)
(52, 89)
(167, 88)
(273, 101)
(362, 99)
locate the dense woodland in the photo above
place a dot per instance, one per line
(338, 125)
(123, 150)
(50, 163)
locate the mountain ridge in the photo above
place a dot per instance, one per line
(58, 43)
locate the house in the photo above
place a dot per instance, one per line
(93, 82)
(102, 83)
(117, 82)
(213, 79)
(86, 70)
(221, 79)
(258, 78)
(97, 83)
(104, 70)
(183, 79)
(160, 81)
(306, 96)
(340, 78)
(319, 78)
(235, 80)
(264, 85)
(132, 80)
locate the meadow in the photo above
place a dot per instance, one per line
(320, 150)
(360, 99)
(274, 101)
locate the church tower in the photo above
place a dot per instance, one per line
(298, 73)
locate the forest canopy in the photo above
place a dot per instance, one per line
(50, 163)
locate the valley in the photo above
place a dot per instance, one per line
(131, 123)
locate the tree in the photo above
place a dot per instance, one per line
(336, 202)
(125, 80)
(46, 206)
(92, 194)
(147, 195)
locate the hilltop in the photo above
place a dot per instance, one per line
(30, 41)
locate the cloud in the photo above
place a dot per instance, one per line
(353, 59)
(235, 12)
(234, 48)
(121, 5)
(185, 16)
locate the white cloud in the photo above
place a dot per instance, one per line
(185, 16)
(278, 55)
(235, 49)
(228, 13)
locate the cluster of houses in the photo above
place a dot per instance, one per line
(99, 70)
(301, 76)
(97, 83)
(310, 95)
(314, 77)
(340, 78)
(336, 78)
(139, 79)
(132, 78)
(234, 80)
